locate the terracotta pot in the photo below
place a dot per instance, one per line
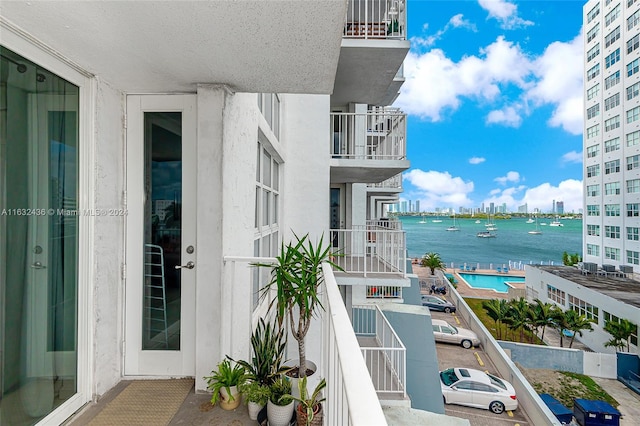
(226, 403)
(301, 416)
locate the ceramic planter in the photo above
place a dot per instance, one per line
(225, 399)
(295, 390)
(279, 415)
(254, 408)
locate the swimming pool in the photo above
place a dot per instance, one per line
(490, 282)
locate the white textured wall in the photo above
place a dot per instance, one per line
(109, 238)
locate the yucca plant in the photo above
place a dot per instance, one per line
(310, 405)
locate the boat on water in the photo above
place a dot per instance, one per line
(478, 221)
(530, 220)
(556, 222)
(454, 227)
(536, 231)
(486, 234)
(490, 226)
(437, 220)
(423, 220)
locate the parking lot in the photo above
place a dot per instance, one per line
(449, 356)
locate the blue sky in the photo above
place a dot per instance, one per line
(494, 96)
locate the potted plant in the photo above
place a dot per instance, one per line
(224, 383)
(309, 410)
(257, 396)
(297, 277)
(280, 403)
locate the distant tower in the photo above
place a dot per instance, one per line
(560, 207)
(417, 206)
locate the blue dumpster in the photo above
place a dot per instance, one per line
(562, 413)
(595, 413)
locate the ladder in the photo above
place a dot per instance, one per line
(155, 298)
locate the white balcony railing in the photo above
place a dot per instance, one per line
(374, 135)
(390, 224)
(370, 251)
(376, 19)
(384, 292)
(351, 396)
(394, 182)
(387, 360)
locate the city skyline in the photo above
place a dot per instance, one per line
(494, 97)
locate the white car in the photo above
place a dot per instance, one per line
(475, 388)
(447, 333)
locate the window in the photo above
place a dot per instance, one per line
(612, 188)
(633, 210)
(632, 20)
(633, 233)
(612, 232)
(593, 230)
(633, 115)
(612, 210)
(611, 253)
(593, 13)
(611, 38)
(633, 138)
(612, 80)
(593, 72)
(612, 102)
(593, 111)
(633, 162)
(593, 190)
(612, 58)
(633, 257)
(612, 16)
(611, 167)
(583, 308)
(612, 123)
(269, 105)
(633, 44)
(556, 295)
(629, 2)
(632, 67)
(633, 186)
(593, 150)
(633, 91)
(593, 249)
(593, 171)
(593, 210)
(592, 92)
(593, 52)
(606, 316)
(592, 132)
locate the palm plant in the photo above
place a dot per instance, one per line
(543, 315)
(432, 261)
(518, 317)
(577, 323)
(497, 309)
(620, 332)
(561, 323)
(224, 377)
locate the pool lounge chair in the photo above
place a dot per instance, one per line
(499, 270)
(505, 270)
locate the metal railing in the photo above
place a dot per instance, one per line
(351, 396)
(394, 182)
(386, 362)
(508, 265)
(384, 292)
(390, 224)
(374, 135)
(376, 19)
(370, 251)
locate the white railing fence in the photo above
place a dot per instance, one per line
(374, 135)
(370, 251)
(386, 362)
(383, 224)
(351, 396)
(376, 19)
(384, 292)
(394, 182)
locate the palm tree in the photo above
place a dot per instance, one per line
(560, 323)
(577, 323)
(518, 316)
(497, 309)
(543, 315)
(621, 333)
(432, 261)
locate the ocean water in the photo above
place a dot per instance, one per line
(512, 242)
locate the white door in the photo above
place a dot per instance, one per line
(161, 209)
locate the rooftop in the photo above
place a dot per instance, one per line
(623, 289)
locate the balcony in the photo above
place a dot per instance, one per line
(391, 186)
(368, 147)
(374, 45)
(370, 253)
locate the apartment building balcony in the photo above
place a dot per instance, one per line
(368, 147)
(388, 187)
(370, 256)
(374, 45)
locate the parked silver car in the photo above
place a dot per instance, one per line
(447, 333)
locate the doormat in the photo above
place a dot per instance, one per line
(145, 402)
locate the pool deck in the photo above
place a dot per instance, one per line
(463, 287)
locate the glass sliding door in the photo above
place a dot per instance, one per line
(38, 240)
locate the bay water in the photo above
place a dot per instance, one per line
(513, 245)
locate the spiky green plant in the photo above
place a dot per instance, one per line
(224, 377)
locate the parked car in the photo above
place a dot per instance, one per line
(475, 388)
(447, 333)
(437, 304)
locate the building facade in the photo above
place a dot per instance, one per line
(612, 132)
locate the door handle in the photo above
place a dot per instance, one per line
(37, 265)
(189, 265)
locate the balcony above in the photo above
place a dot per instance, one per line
(389, 187)
(374, 46)
(368, 147)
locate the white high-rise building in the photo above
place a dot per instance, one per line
(612, 132)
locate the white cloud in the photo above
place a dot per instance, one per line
(436, 189)
(477, 160)
(540, 197)
(509, 177)
(572, 157)
(456, 21)
(508, 116)
(504, 12)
